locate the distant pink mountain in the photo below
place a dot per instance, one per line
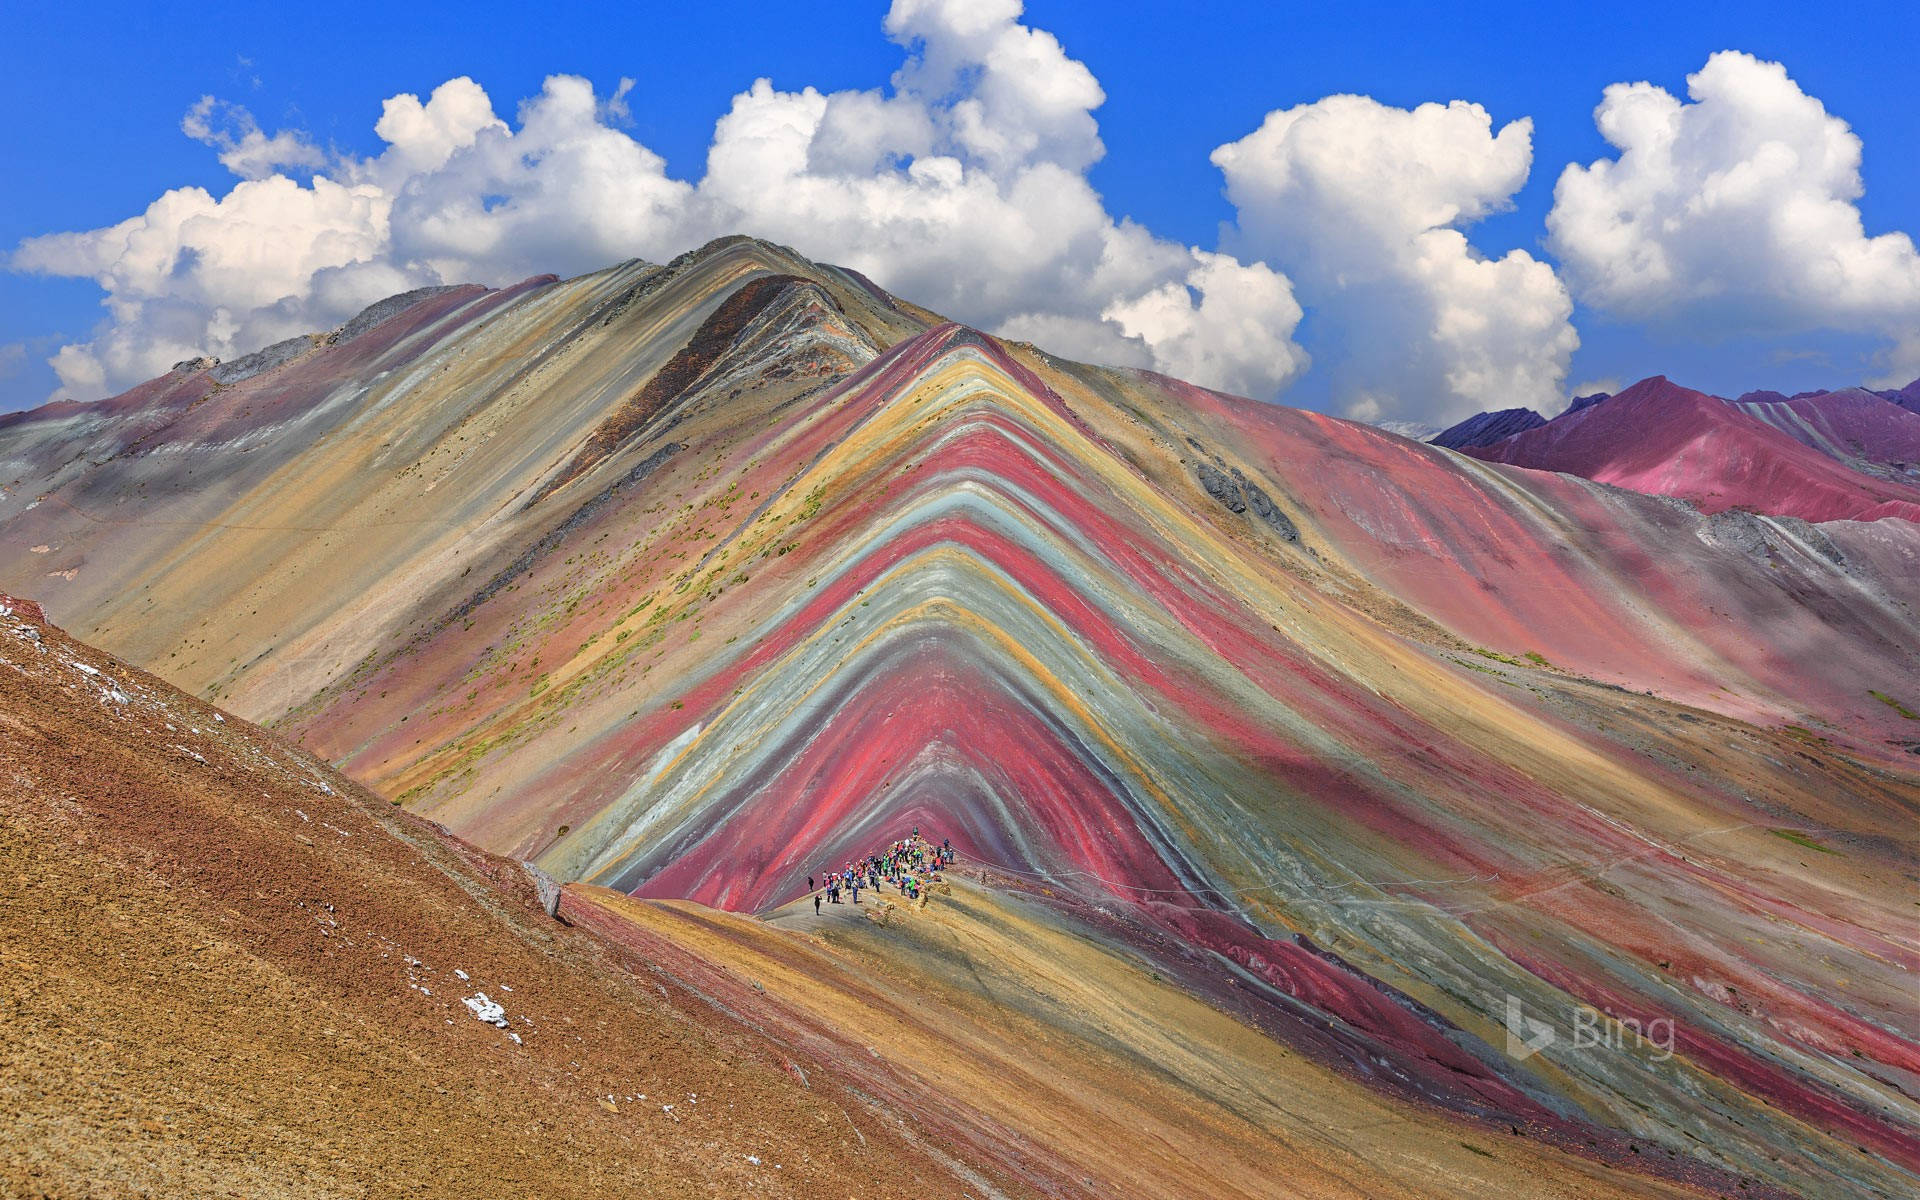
(1484, 429)
(1907, 397)
(1668, 440)
(1860, 428)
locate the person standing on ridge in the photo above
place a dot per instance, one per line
(816, 904)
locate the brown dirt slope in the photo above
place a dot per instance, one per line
(227, 970)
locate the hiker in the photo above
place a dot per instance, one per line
(809, 883)
(816, 904)
(856, 892)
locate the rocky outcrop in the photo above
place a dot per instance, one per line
(382, 311)
(1239, 494)
(261, 361)
(24, 610)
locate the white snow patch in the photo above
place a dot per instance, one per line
(486, 1010)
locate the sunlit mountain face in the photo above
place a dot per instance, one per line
(1333, 814)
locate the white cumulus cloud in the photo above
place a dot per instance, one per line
(1733, 213)
(962, 186)
(195, 273)
(1362, 204)
(1230, 335)
(244, 148)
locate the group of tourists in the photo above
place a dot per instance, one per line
(908, 866)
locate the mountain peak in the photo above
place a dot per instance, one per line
(1483, 429)
(692, 583)
(1660, 437)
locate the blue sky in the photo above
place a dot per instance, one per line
(99, 97)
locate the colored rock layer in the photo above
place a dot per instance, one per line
(1862, 429)
(1667, 440)
(689, 591)
(231, 971)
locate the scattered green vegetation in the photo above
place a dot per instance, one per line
(1801, 839)
(1895, 705)
(1802, 733)
(1533, 657)
(1474, 666)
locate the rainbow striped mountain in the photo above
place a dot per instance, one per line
(1335, 814)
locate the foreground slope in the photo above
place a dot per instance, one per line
(230, 971)
(1032, 1022)
(689, 581)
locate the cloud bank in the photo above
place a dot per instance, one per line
(1734, 214)
(1363, 206)
(963, 184)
